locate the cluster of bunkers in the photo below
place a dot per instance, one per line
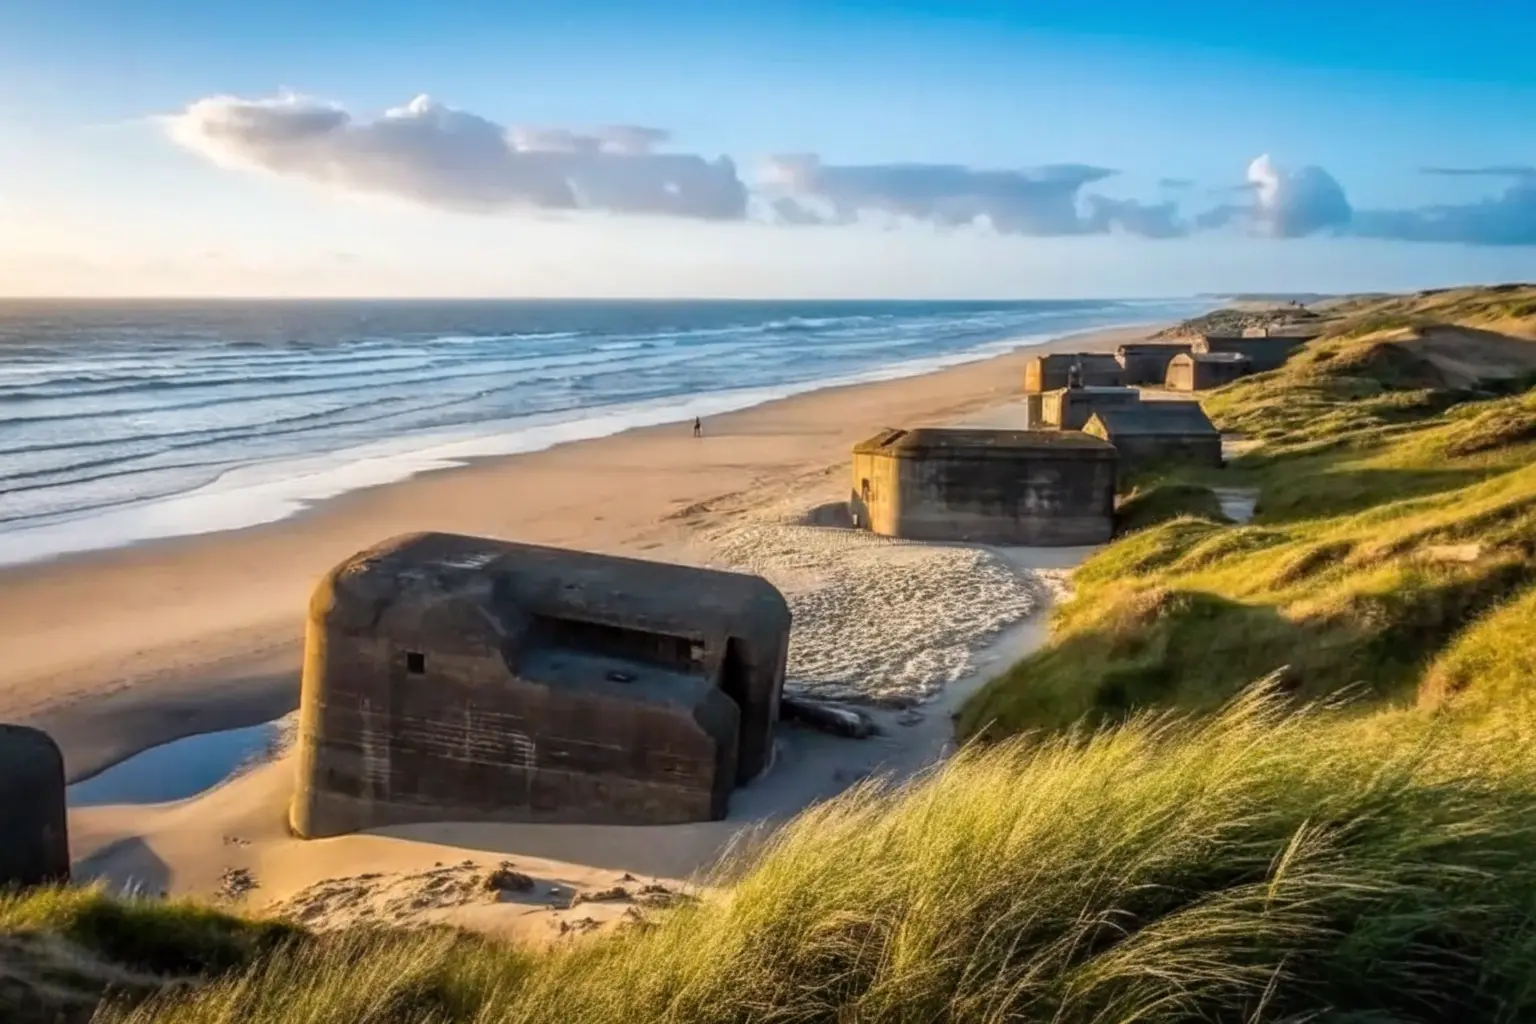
(1087, 423)
(451, 678)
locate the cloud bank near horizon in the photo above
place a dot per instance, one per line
(437, 156)
(434, 155)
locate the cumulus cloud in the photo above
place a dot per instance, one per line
(1293, 204)
(1282, 203)
(438, 156)
(1041, 201)
(1508, 219)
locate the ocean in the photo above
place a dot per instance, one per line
(126, 421)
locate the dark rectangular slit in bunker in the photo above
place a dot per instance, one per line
(663, 649)
(415, 663)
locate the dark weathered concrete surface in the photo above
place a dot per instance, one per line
(1147, 362)
(1265, 352)
(1049, 372)
(34, 826)
(1197, 371)
(1069, 408)
(1034, 487)
(459, 678)
(1158, 432)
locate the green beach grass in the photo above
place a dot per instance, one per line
(1274, 771)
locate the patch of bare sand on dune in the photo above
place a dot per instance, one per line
(876, 620)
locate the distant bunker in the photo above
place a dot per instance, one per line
(33, 814)
(1069, 408)
(1264, 352)
(1032, 487)
(1047, 373)
(1147, 362)
(1159, 432)
(1198, 371)
(451, 678)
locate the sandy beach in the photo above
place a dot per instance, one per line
(117, 651)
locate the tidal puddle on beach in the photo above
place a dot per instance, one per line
(177, 770)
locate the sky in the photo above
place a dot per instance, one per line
(675, 149)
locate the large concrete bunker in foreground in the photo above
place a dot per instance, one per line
(451, 678)
(1037, 487)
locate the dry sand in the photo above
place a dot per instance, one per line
(117, 651)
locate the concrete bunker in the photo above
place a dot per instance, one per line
(1069, 408)
(1199, 371)
(1049, 372)
(1036, 487)
(1147, 362)
(452, 678)
(1159, 432)
(33, 811)
(1264, 351)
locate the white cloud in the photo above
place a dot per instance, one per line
(1293, 204)
(440, 157)
(1040, 201)
(1508, 219)
(435, 155)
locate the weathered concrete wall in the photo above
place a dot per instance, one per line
(1187, 373)
(1034, 411)
(1069, 408)
(34, 825)
(462, 679)
(1267, 352)
(1148, 363)
(1140, 451)
(1045, 494)
(1047, 373)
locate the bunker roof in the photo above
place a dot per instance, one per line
(1157, 418)
(1101, 390)
(1155, 346)
(405, 577)
(977, 443)
(1073, 357)
(1213, 357)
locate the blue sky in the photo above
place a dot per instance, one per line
(115, 179)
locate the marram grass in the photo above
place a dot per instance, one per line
(1264, 864)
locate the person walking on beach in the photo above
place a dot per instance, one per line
(698, 427)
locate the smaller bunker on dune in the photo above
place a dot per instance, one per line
(451, 678)
(1147, 362)
(1069, 408)
(1034, 487)
(1264, 351)
(1159, 432)
(33, 817)
(1047, 373)
(1198, 371)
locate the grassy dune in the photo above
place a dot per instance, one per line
(1396, 513)
(1264, 863)
(1148, 835)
